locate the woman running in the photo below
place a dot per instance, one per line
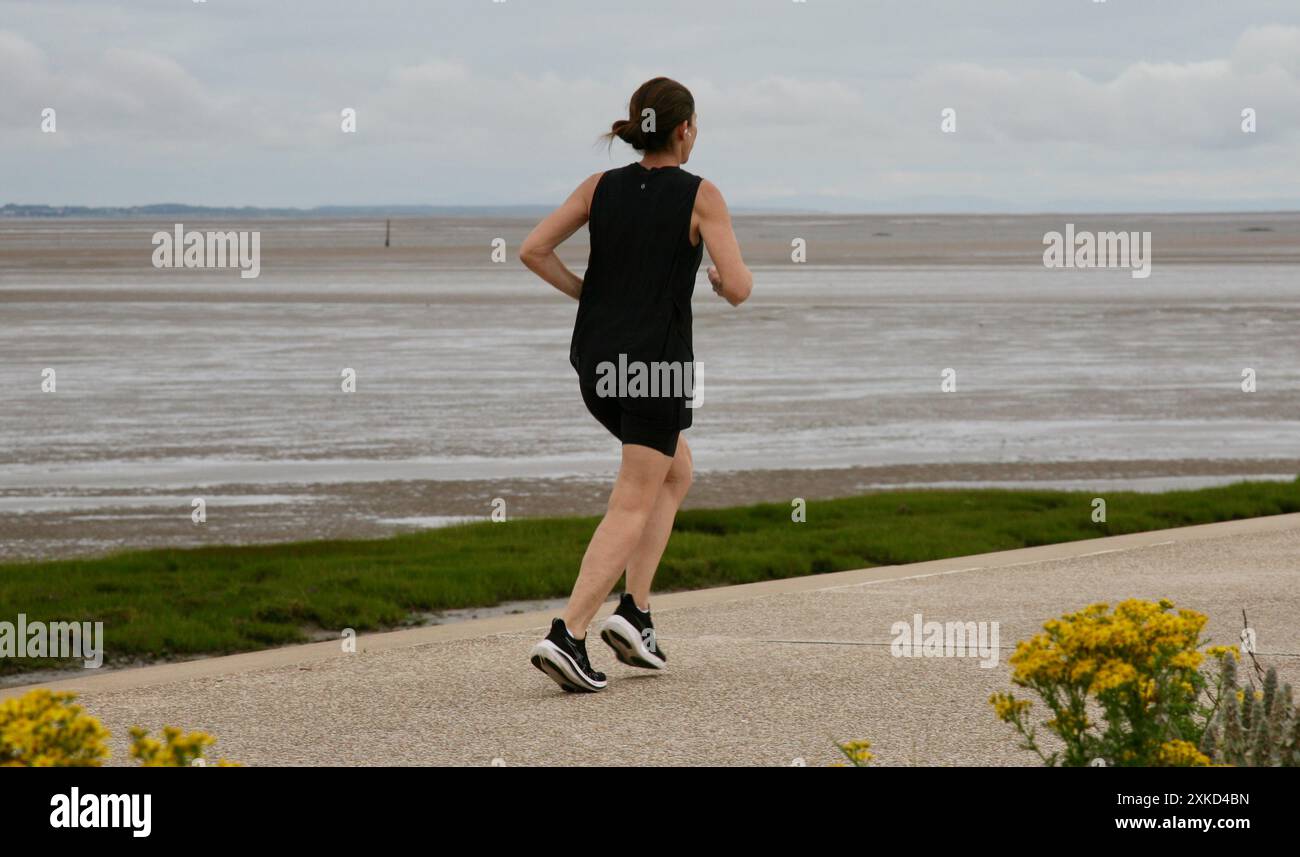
(649, 224)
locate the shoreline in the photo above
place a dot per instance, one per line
(95, 522)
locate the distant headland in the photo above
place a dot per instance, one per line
(172, 210)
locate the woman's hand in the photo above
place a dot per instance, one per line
(715, 279)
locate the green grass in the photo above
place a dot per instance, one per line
(169, 603)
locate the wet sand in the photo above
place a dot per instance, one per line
(54, 248)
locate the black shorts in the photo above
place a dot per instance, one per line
(642, 422)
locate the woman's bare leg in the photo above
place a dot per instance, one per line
(644, 561)
(631, 505)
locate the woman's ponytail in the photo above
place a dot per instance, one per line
(661, 103)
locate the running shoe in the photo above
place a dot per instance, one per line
(631, 634)
(564, 659)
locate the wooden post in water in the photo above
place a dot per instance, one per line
(387, 225)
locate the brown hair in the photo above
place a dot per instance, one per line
(672, 104)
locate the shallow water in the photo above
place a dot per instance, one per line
(823, 368)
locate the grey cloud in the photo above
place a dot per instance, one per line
(238, 103)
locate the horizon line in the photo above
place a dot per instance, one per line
(417, 209)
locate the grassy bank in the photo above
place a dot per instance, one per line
(167, 603)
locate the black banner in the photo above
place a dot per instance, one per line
(137, 807)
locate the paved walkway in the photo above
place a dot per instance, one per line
(761, 674)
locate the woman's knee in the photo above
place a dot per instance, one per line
(629, 511)
(638, 481)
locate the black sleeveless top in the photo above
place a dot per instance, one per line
(636, 293)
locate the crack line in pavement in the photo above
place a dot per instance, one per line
(891, 642)
(842, 643)
(894, 579)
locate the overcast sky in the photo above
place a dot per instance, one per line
(1062, 105)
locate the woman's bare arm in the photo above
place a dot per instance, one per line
(538, 250)
(729, 276)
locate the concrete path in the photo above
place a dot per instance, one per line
(761, 674)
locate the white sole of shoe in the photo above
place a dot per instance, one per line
(560, 668)
(628, 646)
